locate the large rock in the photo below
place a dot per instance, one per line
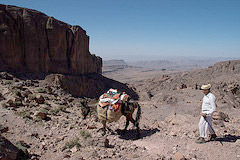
(1, 97)
(40, 99)
(34, 42)
(179, 156)
(10, 152)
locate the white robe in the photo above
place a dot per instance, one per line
(208, 107)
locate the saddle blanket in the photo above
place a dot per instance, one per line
(111, 99)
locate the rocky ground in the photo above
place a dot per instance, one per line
(47, 123)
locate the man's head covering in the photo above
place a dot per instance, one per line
(205, 86)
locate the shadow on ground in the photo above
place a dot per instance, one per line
(228, 138)
(132, 134)
(90, 85)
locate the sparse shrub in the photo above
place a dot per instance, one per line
(31, 97)
(18, 103)
(39, 121)
(4, 105)
(17, 92)
(31, 105)
(63, 108)
(8, 82)
(85, 134)
(23, 114)
(74, 142)
(52, 97)
(41, 90)
(44, 110)
(56, 110)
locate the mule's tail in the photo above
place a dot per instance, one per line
(138, 115)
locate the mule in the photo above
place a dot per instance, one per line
(127, 109)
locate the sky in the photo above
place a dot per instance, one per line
(150, 29)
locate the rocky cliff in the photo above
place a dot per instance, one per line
(34, 42)
(36, 46)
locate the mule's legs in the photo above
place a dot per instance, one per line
(127, 123)
(138, 130)
(129, 118)
(104, 127)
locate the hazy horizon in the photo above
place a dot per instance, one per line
(176, 58)
(148, 30)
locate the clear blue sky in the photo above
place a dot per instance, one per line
(150, 29)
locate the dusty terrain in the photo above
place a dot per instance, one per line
(40, 119)
(47, 123)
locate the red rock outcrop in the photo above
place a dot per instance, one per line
(31, 41)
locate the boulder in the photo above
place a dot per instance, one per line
(40, 99)
(5, 75)
(10, 152)
(3, 129)
(1, 97)
(41, 115)
(10, 103)
(74, 149)
(179, 156)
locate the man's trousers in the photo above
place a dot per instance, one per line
(203, 126)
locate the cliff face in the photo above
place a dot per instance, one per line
(31, 41)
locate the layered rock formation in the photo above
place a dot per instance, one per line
(34, 42)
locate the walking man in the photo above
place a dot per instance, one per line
(208, 107)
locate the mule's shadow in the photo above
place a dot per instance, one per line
(132, 134)
(228, 138)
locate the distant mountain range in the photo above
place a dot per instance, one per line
(181, 63)
(114, 63)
